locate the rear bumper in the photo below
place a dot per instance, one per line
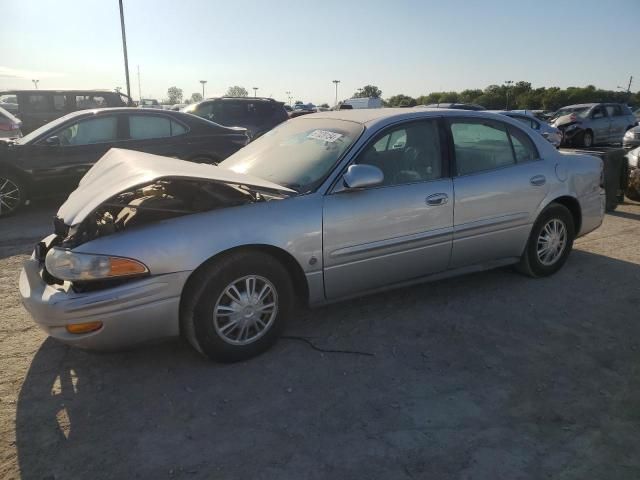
(135, 312)
(593, 208)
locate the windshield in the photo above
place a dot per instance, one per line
(298, 154)
(580, 111)
(49, 126)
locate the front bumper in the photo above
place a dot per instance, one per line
(131, 313)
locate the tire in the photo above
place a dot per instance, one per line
(215, 335)
(13, 194)
(587, 139)
(530, 262)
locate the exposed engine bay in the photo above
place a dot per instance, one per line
(161, 200)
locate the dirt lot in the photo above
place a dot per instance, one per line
(489, 376)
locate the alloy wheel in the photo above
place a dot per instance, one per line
(9, 196)
(245, 310)
(552, 241)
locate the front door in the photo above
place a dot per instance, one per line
(500, 182)
(60, 161)
(399, 230)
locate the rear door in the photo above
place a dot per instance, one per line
(156, 133)
(618, 123)
(39, 108)
(499, 182)
(397, 231)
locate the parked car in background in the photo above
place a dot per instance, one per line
(149, 103)
(552, 134)
(9, 103)
(177, 107)
(52, 159)
(258, 115)
(631, 137)
(302, 109)
(366, 102)
(39, 107)
(636, 113)
(633, 170)
(589, 124)
(455, 106)
(9, 125)
(325, 207)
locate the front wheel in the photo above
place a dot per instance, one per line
(12, 194)
(587, 139)
(241, 306)
(550, 242)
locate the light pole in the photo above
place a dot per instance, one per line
(288, 96)
(336, 82)
(124, 50)
(35, 82)
(255, 91)
(508, 83)
(203, 82)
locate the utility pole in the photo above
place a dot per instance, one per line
(124, 49)
(288, 96)
(35, 82)
(508, 83)
(336, 82)
(629, 86)
(203, 82)
(255, 92)
(139, 87)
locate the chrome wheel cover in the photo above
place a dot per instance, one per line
(245, 310)
(551, 242)
(9, 196)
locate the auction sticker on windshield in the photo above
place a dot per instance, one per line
(324, 135)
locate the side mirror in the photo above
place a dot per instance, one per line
(53, 141)
(362, 176)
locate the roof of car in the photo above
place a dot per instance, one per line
(369, 116)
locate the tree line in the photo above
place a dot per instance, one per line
(520, 95)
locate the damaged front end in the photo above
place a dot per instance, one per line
(160, 200)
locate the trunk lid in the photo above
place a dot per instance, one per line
(119, 170)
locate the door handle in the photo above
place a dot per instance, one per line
(437, 199)
(538, 180)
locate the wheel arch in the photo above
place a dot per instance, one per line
(187, 296)
(572, 204)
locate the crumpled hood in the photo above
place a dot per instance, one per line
(120, 170)
(564, 119)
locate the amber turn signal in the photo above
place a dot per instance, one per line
(120, 267)
(84, 327)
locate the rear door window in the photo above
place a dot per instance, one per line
(523, 147)
(480, 146)
(37, 103)
(87, 102)
(59, 103)
(153, 126)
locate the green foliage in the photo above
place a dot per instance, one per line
(174, 95)
(368, 91)
(401, 101)
(521, 96)
(237, 91)
(196, 97)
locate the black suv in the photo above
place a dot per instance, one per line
(39, 107)
(258, 115)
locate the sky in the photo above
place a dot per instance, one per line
(403, 46)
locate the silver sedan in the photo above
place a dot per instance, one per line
(322, 208)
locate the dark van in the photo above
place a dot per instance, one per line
(38, 107)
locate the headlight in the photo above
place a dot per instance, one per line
(633, 160)
(71, 266)
(629, 134)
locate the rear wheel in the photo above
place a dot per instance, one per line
(550, 242)
(12, 194)
(241, 306)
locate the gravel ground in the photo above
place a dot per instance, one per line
(488, 376)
